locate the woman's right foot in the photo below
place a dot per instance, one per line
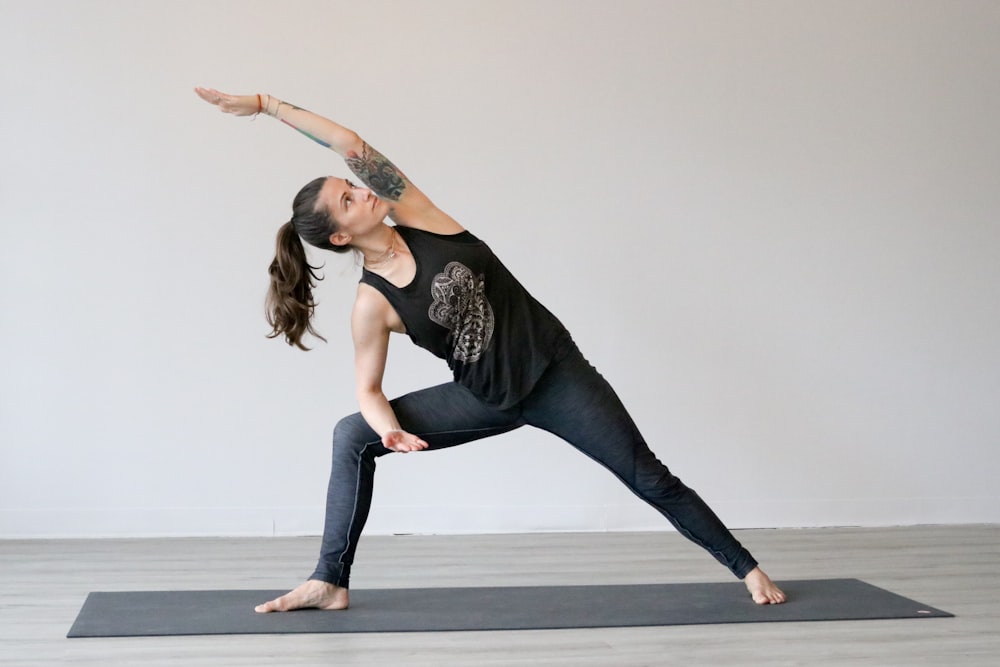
(313, 594)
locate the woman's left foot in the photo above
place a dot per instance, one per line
(762, 589)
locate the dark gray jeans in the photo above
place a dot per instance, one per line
(572, 401)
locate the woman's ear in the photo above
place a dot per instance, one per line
(340, 239)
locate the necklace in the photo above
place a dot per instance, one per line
(387, 254)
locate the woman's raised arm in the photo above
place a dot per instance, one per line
(322, 130)
(410, 206)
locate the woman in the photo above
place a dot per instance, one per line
(513, 361)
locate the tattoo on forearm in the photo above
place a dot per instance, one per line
(297, 129)
(375, 170)
(287, 104)
(316, 139)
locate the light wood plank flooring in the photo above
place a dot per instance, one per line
(957, 568)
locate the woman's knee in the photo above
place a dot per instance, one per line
(657, 482)
(353, 432)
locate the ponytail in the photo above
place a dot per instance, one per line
(289, 306)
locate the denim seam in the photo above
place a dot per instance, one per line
(354, 509)
(357, 487)
(499, 430)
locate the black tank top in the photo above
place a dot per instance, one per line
(464, 306)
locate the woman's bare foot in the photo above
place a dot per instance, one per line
(313, 594)
(762, 589)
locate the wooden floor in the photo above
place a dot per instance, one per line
(956, 568)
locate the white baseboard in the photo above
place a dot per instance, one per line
(471, 519)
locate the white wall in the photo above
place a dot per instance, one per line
(772, 225)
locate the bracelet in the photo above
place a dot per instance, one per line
(258, 104)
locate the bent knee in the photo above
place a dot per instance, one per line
(661, 483)
(353, 431)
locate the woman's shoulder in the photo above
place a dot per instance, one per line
(372, 311)
(461, 236)
(425, 216)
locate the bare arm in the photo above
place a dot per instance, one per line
(409, 206)
(371, 322)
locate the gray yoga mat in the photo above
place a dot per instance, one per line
(160, 613)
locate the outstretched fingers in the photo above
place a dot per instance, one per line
(238, 105)
(210, 95)
(402, 442)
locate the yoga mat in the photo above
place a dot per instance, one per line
(160, 613)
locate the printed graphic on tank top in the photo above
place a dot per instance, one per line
(461, 306)
(465, 307)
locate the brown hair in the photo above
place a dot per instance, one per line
(289, 305)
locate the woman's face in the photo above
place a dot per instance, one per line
(357, 210)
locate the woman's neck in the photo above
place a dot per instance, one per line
(381, 249)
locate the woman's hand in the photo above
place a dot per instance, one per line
(401, 441)
(238, 105)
